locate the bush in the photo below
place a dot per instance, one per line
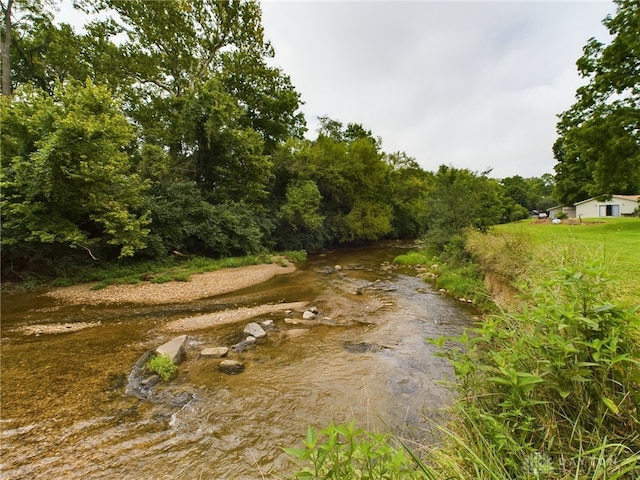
(163, 366)
(558, 381)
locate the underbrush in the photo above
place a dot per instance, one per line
(170, 269)
(550, 391)
(344, 451)
(452, 270)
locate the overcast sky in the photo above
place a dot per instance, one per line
(472, 84)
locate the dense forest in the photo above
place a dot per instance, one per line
(163, 127)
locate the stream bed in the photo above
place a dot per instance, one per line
(65, 413)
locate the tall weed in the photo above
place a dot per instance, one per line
(344, 451)
(559, 380)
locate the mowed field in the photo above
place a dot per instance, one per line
(614, 242)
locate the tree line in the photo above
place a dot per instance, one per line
(162, 127)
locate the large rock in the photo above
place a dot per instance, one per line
(255, 330)
(174, 348)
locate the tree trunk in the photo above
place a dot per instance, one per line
(6, 49)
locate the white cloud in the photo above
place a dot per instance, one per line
(473, 84)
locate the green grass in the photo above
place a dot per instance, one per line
(171, 269)
(529, 249)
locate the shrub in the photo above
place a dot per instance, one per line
(163, 366)
(558, 381)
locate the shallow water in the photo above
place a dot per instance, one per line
(65, 414)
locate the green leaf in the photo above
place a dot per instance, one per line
(311, 437)
(528, 379)
(299, 453)
(611, 405)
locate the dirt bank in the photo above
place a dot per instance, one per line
(201, 286)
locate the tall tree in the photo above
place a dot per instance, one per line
(598, 149)
(17, 15)
(67, 179)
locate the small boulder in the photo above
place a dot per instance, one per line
(291, 321)
(255, 330)
(267, 323)
(250, 340)
(174, 348)
(231, 367)
(308, 315)
(214, 352)
(338, 268)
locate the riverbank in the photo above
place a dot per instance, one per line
(547, 384)
(201, 285)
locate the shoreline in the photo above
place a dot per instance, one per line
(201, 285)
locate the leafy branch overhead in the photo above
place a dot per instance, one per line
(598, 149)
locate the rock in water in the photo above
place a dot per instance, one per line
(231, 367)
(136, 384)
(214, 352)
(174, 348)
(255, 330)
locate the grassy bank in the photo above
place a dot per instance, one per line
(175, 268)
(525, 254)
(549, 388)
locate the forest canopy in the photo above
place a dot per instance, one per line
(164, 126)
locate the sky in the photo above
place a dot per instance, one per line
(471, 84)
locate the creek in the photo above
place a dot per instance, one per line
(65, 414)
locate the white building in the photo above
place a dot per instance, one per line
(616, 206)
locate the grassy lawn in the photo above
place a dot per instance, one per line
(615, 242)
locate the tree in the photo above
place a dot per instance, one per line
(268, 101)
(409, 185)
(530, 193)
(598, 149)
(516, 188)
(66, 174)
(29, 12)
(226, 158)
(463, 199)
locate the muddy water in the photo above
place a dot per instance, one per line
(65, 414)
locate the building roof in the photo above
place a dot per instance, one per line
(623, 197)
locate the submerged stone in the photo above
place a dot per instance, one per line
(214, 352)
(231, 367)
